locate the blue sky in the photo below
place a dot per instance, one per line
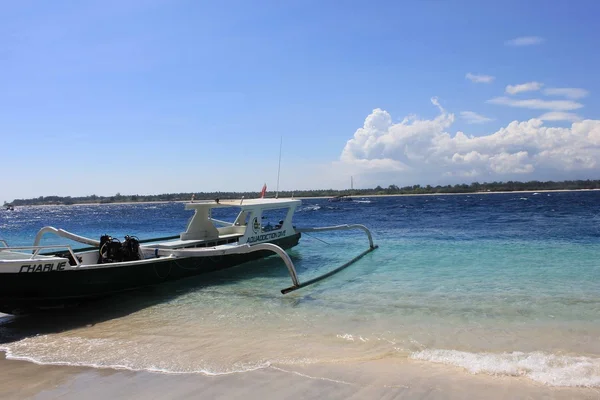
(161, 96)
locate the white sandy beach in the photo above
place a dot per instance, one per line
(376, 379)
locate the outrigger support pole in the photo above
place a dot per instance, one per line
(244, 249)
(65, 234)
(372, 247)
(342, 228)
(210, 252)
(284, 256)
(328, 274)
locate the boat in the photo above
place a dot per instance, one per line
(45, 277)
(10, 207)
(343, 197)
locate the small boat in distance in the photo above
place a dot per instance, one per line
(344, 197)
(9, 207)
(31, 280)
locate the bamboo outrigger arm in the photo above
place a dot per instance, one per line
(372, 247)
(65, 234)
(244, 249)
(224, 251)
(340, 228)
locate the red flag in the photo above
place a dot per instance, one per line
(263, 191)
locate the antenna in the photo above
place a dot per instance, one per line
(351, 182)
(279, 167)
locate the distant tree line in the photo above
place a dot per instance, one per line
(509, 186)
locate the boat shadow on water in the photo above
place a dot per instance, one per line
(98, 310)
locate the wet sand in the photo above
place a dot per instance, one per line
(378, 379)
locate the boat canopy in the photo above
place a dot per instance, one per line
(247, 224)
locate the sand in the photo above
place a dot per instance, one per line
(377, 379)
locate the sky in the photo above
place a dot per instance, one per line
(156, 96)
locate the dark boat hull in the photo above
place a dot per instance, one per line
(25, 293)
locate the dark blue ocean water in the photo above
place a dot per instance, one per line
(494, 283)
(559, 216)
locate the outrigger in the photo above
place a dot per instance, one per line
(40, 277)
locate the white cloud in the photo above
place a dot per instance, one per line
(524, 87)
(421, 150)
(374, 142)
(480, 78)
(537, 104)
(473, 118)
(571, 93)
(560, 116)
(525, 41)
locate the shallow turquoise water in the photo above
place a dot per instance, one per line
(499, 284)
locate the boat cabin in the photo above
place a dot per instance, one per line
(258, 220)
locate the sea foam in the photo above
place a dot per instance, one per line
(104, 354)
(549, 369)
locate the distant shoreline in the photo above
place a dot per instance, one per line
(378, 191)
(471, 193)
(324, 197)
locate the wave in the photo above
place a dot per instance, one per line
(549, 369)
(119, 354)
(351, 338)
(310, 207)
(41, 359)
